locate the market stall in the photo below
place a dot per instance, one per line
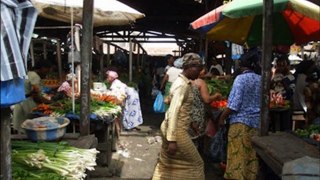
(104, 111)
(288, 147)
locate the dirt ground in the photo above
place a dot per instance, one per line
(137, 151)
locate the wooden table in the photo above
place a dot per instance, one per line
(281, 147)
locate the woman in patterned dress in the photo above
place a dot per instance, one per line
(179, 158)
(243, 110)
(200, 100)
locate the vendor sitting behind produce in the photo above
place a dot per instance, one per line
(117, 87)
(66, 87)
(34, 96)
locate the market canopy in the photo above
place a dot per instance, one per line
(106, 12)
(294, 21)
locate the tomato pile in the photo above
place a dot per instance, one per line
(219, 104)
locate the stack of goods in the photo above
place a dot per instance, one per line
(221, 86)
(104, 97)
(312, 132)
(51, 83)
(43, 108)
(62, 107)
(277, 101)
(219, 104)
(50, 160)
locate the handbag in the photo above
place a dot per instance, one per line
(158, 105)
(12, 92)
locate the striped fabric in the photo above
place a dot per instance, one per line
(186, 163)
(17, 24)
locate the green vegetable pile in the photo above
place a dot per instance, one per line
(222, 86)
(65, 106)
(48, 160)
(305, 133)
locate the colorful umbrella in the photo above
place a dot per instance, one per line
(240, 21)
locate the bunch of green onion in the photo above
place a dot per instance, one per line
(108, 110)
(54, 158)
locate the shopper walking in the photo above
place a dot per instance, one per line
(179, 158)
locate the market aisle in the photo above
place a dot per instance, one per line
(138, 150)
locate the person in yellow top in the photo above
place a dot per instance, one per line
(179, 158)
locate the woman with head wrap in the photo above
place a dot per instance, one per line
(129, 98)
(243, 111)
(117, 87)
(179, 158)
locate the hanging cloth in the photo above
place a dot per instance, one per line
(236, 51)
(17, 24)
(74, 44)
(132, 115)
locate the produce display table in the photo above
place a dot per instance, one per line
(102, 126)
(281, 147)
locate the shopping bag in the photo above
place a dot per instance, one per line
(158, 105)
(218, 148)
(12, 92)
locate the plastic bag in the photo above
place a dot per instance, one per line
(12, 92)
(158, 105)
(218, 148)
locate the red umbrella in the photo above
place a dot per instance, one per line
(294, 21)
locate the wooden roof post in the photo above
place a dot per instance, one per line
(266, 65)
(86, 63)
(5, 139)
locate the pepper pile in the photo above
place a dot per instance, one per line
(43, 108)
